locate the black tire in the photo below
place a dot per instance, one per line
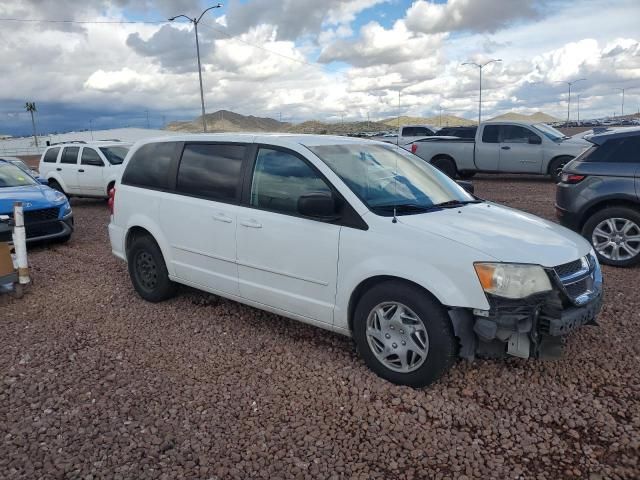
(148, 270)
(556, 166)
(446, 165)
(609, 213)
(64, 239)
(56, 186)
(443, 346)
(466, 174)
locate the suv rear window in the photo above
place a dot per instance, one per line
(51, 155)
(211, 171)
(150, 166)
(618, 150)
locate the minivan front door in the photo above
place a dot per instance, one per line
(284, 260)
(200, 218)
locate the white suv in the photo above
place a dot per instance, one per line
(354, 236)
(83, 169)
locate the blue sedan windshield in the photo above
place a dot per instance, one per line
(12, 176)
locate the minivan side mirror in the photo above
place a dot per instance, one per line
(468, 186)
(535, 140)
(317, 205)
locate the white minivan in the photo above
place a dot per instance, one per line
(83, 169)
(354, 236)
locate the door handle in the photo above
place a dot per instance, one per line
(81, 170)
(251, 223)
(505, 148)
(58, 169)
(221, 217)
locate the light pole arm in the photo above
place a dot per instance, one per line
(202, 14)
(178, 16)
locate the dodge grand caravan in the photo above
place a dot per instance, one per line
(357, 237)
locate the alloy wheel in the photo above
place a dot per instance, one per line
(616, 239)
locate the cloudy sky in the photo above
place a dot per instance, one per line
(303, 59)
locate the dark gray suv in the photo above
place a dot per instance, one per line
(599, 196)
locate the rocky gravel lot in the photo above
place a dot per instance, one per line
(96, 383)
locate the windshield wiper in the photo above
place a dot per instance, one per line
(403, 207)
(454, 203)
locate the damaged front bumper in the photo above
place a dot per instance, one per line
(533, 327)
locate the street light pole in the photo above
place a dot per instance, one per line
(480, 67)
(569, 99)
(578, 109)
(195, 22)
(622, 110)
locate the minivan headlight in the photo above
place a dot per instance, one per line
(512, 280)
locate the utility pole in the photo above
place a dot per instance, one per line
(440, 121)
(368, 121)
(569, 98)
(148, 125)
(622, 109)
(91, 127)
(280, 117)
(480, 67)
(578, 109)
(195, 22)
(398, 134)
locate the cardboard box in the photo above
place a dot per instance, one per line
(6, 263)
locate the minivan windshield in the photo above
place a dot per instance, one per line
(12, 176)
(549, 132)
(115, 155)
(387, 178)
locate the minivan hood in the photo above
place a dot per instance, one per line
(34, 197)
(506, 234)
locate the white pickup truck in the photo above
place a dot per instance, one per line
(408, 134)
(501, 147)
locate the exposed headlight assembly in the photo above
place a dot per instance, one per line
(512, 280)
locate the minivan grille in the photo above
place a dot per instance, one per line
(568, 269)
(576, 277)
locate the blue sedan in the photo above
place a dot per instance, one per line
(47, 213)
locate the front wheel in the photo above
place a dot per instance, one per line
(615, 235)
(403, 334)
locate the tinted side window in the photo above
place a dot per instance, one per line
(90, 157)
(150, 166)
(51, 155)
(622, 150)
(70, 155)
(211, 171)
(490, 134)
(422, 132)
(516, 134)
(408, 132)
(280, 178)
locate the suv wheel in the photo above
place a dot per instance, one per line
(148, 270)
(403, 334)
(615, 235)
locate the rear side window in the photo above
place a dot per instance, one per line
(416, 132)
(490, 134)
(618, 150)
(211, 171)
(70, 155)
(51, 155)
(90, 157)
(150, 166)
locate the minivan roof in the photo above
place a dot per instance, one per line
(600, 138)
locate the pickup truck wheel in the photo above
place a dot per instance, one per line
(403, 334)
(445, 165)
(466, 174)
(148, 270)
(615, 235)
(556, 166)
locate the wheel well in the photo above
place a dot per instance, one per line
(443, 156)
(134, 233)
(568, 157)
(369, 283)
(110, 185)
(593, 209)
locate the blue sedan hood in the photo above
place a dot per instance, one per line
(33, 196)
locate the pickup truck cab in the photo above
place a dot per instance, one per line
(408, 134)
(354, 236)
(502, 147)
(83, 169)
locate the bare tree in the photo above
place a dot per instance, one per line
(31, 108)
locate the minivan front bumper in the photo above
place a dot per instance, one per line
(533, 327)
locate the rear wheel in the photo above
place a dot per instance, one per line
(466, 174)
(615, 235)
(446, 165)
(403, 334)
(148, 270)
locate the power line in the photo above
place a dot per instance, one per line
(35, 20)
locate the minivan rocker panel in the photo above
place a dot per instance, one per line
(414, 268)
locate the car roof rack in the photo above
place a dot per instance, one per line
(68, 141)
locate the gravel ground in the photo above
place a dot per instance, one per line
(96, 383)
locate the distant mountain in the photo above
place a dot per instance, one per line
(226, 121)
(445, 121)
(533, 117)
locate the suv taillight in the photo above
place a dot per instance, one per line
(112, 199)
(414, 147)
(571, 178)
